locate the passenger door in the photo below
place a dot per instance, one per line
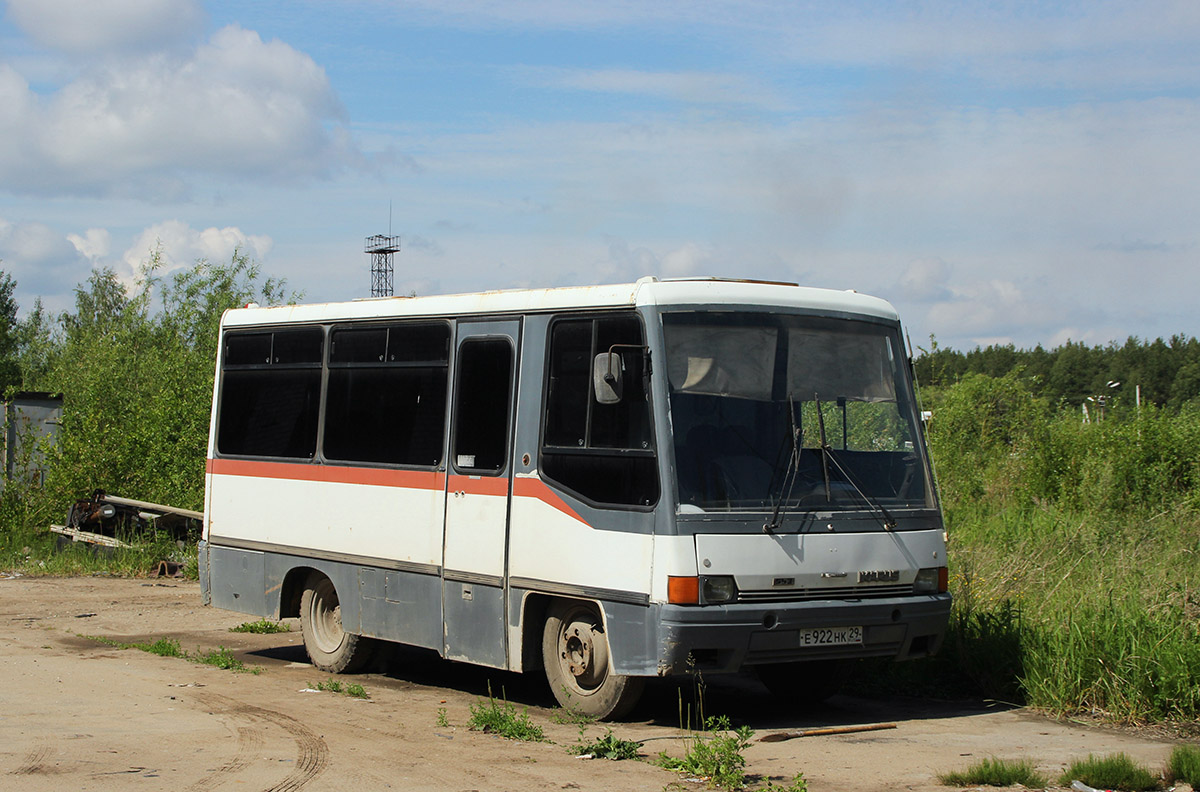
(479, 487)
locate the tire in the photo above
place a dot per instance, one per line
(330, 648)
(805, 683)
(576, 658)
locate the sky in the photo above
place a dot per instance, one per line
(1020, 172)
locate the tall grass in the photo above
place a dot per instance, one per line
(1074, 553)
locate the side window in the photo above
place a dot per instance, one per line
(481, 412)
(386, 400)
(604, 452)
(270, 393)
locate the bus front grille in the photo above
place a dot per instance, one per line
(825, 593)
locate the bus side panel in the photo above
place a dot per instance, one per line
(280, 505)
(549, 541)
(394, 605)
(469, 610)
(632, 637)
(238, 580)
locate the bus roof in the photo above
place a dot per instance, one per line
(647, 291)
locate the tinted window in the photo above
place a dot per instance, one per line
(270, 393)
(483, 399)
(604, 452)
(387, 394)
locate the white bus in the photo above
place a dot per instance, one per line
(604, 483)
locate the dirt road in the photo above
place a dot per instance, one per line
(79, 714)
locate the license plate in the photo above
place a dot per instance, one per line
(831, 636)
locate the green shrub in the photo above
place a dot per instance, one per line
(502, 718)
(607, 747)
(996, 772)
(715, 754)
(1117, 771)
(1184, 765)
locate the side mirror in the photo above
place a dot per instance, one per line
(608, 375)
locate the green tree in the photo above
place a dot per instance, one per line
(135, 368)
(10, 370)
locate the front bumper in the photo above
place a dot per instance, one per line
(723, 638)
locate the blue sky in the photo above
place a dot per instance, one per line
(1002, 172)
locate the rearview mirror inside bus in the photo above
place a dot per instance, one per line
(607, 377)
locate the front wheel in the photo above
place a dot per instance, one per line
(329, 647)
(575, 654)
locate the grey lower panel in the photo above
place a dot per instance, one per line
(202, 566)
(475, 626)
(237, 580)
(401, 607)
(390, 604)
(632, 630)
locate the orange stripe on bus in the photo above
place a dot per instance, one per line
(523, 486)
(330, 474)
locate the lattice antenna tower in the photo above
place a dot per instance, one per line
(381, 249)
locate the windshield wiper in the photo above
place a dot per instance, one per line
(791, 474)
(827, 455)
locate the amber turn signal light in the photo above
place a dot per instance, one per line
(683, 590)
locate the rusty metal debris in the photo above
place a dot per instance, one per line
(106, 520)
(791, 735)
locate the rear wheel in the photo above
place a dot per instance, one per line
(329, 647)
(576, 657)
(805, 683)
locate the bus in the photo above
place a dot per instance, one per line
(603, 484)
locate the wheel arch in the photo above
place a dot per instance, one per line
(534, 610)
(292, 589)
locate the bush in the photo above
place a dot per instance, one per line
(136, 373)
(996, 772)
(1184, 765)
(1117, 771)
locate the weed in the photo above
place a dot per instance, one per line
(715, 754)
(222, 658)
(1184, 765)
(502, 718)
(799, 784)
(169, 647)
(996, 772)
(331, 685)
(607, 747)
(1116, 771)
(163, 647)
(442, 720)
(262, 626)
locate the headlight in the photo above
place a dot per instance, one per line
(933, 580)
(716, 590)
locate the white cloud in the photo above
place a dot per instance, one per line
(691, 259)
(180, 245)
(93, 244)
(94, 26)
(925, 280)
(235, 107)
(40, 259)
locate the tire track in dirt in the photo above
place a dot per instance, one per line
(249, 744)
(34, 760)
(312, 754)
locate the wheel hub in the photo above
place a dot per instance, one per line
(578, 653)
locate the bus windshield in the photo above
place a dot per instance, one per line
(806, 412)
